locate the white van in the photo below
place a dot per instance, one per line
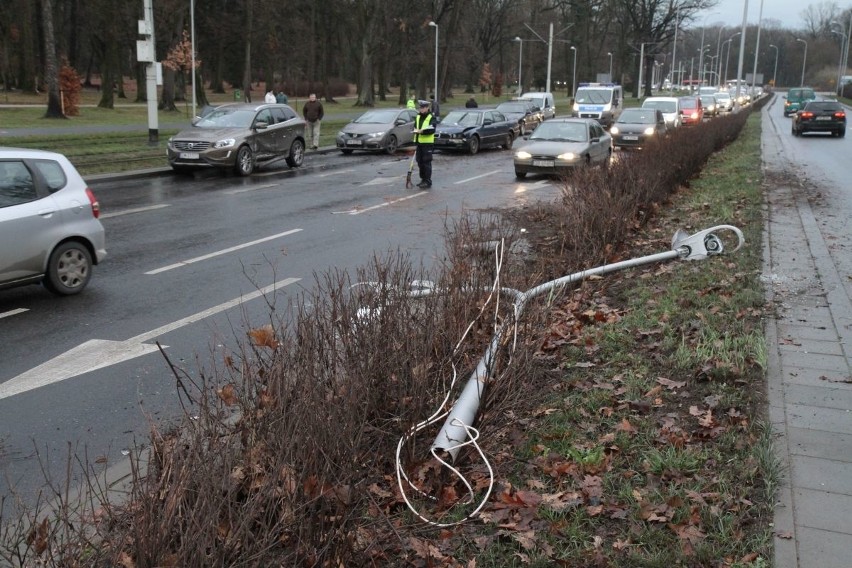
(670, 107)
(544, 101)
(601, 101)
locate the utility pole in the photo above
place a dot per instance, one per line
(145, 53)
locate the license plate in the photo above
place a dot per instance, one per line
(189, 155)
(630, 138)
(543, 163)
(354, 143)
(823, 118)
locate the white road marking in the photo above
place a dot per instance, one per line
(13, 312)
(254, 188)
(479, 176)
(379, 206)
(383, 180)
(220, 252)
(336, 172)
(99, 353)
(134, 210)
(530, 186)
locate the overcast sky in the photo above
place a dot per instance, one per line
(730, 12)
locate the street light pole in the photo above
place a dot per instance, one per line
(728, 53)
(574, 79)
(842, 51)
(804, 60)
(701, 57)
(520, 64)
(437, 96)
(610, 65)
(756, 47)
(192, 36)
(549, 47)
(775, 73)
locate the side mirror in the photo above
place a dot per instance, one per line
(196, 120)
(261, 125)
(487, 121)
(400, 121)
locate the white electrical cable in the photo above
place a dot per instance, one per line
(472, 433)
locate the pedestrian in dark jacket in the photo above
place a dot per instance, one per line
(471, 103)
(313, 113)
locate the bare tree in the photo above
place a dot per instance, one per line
(51, 70)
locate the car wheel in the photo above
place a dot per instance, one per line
(523, 129)
(520, 175)
(473, 145)
(841, 133)
(297, 154)
(608, 158)
(69, 269)
(245, 161)
(347, 152)
(794, 131)
(510, 139)
(392, 144)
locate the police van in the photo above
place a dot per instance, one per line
(601, 101)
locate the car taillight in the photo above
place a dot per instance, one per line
(840, 114)
(96, 207)
(807, 114)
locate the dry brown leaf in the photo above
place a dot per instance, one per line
(784, 534)
(526, 539)
(227, 394)
(626, 426)
(264, 337)
(670, 384)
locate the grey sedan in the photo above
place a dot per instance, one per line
(560, 145)
(382, 130)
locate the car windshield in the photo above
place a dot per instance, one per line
(462, 118)
(537, 101)
(638, 117)
(688, 103)
(561, 131)
(722, 96)
(227, 118)
(823, 106)
(512, 107)
(708, 100)
(665, 106)
(382, 116)
(596, 96)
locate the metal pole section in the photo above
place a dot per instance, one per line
(151, 81)
(719, 57)
(520, 64)
(842, 49)
(674, 50)
(641, 65)
(549, 56)
(775, 72)
(846, 52)
(192, 35)
(701, 59)
(742, 51)
(757, 46)
(437, 96)
(574, 77)
(610, 65)
(804, 60)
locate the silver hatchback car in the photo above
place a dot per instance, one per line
(49, 227)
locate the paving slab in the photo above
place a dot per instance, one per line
(827, 396)
(834, 550)
(804, 345)
(824, 510)
(824, 477)
(820, 444)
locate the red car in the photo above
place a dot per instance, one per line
(691, 111)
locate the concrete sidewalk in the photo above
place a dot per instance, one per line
(809, 344)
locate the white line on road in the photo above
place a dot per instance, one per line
(379, 206)
(99, 353)
(254, 188)
(221, 252)
(134, 210)
(479, 176)
(13, 312)
(383, 180)
(336, 172)
(530, 186)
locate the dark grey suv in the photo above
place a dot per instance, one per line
(240, 136)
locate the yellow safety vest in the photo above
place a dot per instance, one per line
(420, 124)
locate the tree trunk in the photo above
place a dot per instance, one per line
(51, 71)
(27, 80)
(108, 64)
(200, 93)
(247, 61)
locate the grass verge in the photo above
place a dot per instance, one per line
(655, 446)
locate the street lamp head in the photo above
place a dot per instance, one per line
(517, 38)
(609, 53)
(573, 48)
(433, 24)
(801, 40)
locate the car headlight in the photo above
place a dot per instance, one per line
(694, 115)
(566, 156)
(226, 143)
(375, 135)
(522, 155)
(613, 129)
(649, 131)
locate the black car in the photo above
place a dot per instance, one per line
(636, 127)
(472, 129)
(524, 112)
(820, 116)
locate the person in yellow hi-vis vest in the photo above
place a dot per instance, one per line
(424, 137)
(412, 104)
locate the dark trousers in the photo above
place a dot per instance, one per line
(424, 162)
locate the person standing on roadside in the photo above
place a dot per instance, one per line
(269, 98)
(313, 113)
(471, 103)
(412, 104)
(424, 137)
